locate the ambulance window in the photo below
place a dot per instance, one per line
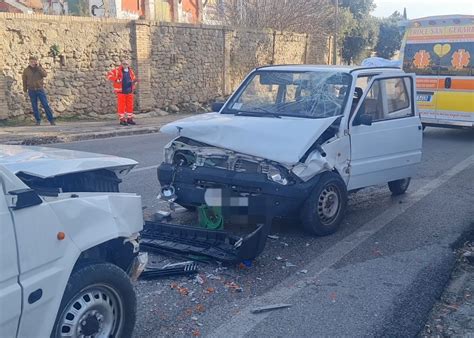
(420, 59)
(457, 59)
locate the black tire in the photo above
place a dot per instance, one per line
(399, 187)
(319, 218)
(105, 297)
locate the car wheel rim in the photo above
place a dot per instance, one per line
(96, 311)
(328, 205)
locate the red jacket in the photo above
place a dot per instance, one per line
(116, 76)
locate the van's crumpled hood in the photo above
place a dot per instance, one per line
(284, 140)
(45, 162)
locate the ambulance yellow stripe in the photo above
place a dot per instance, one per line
(455, 101)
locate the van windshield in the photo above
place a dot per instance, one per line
(309, 94)
(454, 58)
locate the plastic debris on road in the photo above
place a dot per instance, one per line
(270, 308)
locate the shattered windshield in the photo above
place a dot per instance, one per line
(310, 94)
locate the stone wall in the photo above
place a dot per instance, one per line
(186, 63)
(175, 63)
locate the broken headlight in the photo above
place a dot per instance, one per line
(168, 153)
(275, 174)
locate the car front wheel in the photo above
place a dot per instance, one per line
(324, 209)
(99, 301)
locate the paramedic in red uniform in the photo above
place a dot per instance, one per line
(124, 81)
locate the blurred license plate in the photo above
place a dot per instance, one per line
(424, 97)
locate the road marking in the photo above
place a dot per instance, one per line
(144, 168)
(243, 323)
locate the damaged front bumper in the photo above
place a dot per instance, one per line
(263, 196)
(244, 197)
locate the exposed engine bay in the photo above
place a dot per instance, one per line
(101, 180)
(189, 153)
(186, 152)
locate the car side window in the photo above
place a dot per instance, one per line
(397, 95)
(397, 98)
(373, 102)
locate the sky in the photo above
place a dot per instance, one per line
(421, 8)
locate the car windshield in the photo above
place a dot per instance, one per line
(309, 94)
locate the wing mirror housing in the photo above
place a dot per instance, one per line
(217, 106)
(25, 198)
(364, 119)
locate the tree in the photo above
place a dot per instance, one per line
(301, 16)
(358, 30)
(390, 36)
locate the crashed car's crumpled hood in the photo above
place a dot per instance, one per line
(50, 162)
(284, 140)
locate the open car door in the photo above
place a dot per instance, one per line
(385, 132)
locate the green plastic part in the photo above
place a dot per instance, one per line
(210, 217)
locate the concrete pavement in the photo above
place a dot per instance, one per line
(81, 130)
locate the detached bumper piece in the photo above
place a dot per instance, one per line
(188, 240)
(183, 270)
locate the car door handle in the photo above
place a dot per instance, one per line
(35, 296)
(447, 83)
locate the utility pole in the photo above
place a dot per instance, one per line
(336, 30)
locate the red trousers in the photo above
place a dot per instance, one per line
(125, 106)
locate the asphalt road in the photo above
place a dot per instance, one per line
(379, 275)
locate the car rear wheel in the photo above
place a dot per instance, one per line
(324, 209)
(399, 187)
(99, 301)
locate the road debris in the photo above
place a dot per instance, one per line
(275, 237)
(198, 279)
(303, 271)
(162, 215)
(284, 244)
(200, 308)
(210, 290)
(270, 308)
(178, 269)
(233, 287)
(183, 291)
(278, 258)
(289, 265)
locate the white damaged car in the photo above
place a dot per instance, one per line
(300, 138)
(69, 244)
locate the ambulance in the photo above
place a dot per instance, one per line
(440, 51)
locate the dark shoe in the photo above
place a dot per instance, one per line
(38, 123)
(123, 123)
(52, 123)
(130, 121)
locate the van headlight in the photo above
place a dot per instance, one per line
(275, 174)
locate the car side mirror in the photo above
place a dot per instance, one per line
(217, 106)
(25, 198)
(364, 119)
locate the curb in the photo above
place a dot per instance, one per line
(38, 140)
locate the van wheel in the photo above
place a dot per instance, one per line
(399, 187)
(99, 301)
(324, 209)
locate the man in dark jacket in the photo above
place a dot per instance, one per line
(33, 77)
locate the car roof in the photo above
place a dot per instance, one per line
(329, 68)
